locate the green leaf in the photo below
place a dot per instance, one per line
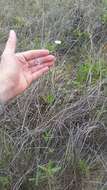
(49, 98)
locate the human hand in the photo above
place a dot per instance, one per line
(19, 70)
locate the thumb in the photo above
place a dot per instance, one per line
(11, 43)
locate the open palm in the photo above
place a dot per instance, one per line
(21, 69)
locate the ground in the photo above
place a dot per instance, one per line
(54, 135)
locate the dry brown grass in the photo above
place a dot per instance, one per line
(54, 120)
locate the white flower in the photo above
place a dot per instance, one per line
(57, 42)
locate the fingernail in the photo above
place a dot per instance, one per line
(11, 33)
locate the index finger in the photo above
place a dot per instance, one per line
(33, 54)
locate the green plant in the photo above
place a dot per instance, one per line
(2, 35)
(49, 99)
(83, 35)
(104, 2)
(4, 182)
(46, 136)
(51, 46)
(45, 172)
(50, 169)
(104, 18)
(37, 42)
(83, 166)
(90, 72)
(18, 21)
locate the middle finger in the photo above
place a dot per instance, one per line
(41, 60)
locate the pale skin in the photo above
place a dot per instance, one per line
(19, 70)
